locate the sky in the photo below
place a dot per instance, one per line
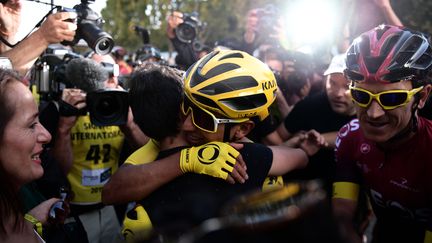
(32, 12)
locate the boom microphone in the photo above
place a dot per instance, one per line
(86, 74)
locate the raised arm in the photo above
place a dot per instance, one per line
(10, 20)
(62, 147)
(388, 12)
(135, 182)
(53, 30)
(286, 159)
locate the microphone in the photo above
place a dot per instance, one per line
(86, 74)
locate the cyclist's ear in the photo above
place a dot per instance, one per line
(424, 95)
(241, 130)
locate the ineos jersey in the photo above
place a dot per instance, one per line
(399, 181)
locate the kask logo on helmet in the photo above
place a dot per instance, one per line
(208, 153)
(268, 84)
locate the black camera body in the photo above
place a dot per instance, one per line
(188, 31)
(49, 73)
(90, 29)
(108, 107)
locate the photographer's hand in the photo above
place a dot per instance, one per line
(55, 29)
(73, 99)
(10, 19)
(174, 19)
(40, 212)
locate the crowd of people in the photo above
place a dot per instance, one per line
(245, 141)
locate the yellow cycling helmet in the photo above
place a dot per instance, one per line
(231, 84)
(137, 226)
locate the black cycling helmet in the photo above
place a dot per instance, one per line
(389, 54)
(148, 51)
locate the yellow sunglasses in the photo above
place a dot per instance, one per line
(203, 119)
(388, 100)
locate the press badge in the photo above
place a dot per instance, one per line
(95, 177)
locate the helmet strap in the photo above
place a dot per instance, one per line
(412, 124)
(227, 131)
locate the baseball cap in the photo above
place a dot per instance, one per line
(337, 65)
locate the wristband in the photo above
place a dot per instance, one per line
(36, 223)
(346, 190)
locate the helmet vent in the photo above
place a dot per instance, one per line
(402, 57)
(220, 69)
(228, 85)
(232, 55)
(425, 60)
(380, 31)
(373, 63)
(352, 76)
(365, 47)
(388, 45)
(245, 102)
(204, 101)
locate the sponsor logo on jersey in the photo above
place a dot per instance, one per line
(365, 148)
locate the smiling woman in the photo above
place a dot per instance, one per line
(21, 140)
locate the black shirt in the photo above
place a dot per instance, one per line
(315, 112)
(192, 198)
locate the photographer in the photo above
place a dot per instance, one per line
(25, 52)
(89, 154)
(263, 27)
(187, 53)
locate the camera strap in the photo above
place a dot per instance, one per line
(8, 43)
(65, 109)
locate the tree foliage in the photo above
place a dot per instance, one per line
(224, 18)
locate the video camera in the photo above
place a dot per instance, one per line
(187, 32)
(107, 107)
(89, 28)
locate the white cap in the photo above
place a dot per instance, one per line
(337, 65)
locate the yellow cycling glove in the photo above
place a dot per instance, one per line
(215, 159)
(137, 226)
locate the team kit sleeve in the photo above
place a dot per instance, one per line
(347, 177)
(145, 154)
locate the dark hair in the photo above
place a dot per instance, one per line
(155, 94)
(8, 195)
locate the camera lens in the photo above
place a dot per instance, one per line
(104, 46)
(185, 32)
(100, 41)
(107, 105)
